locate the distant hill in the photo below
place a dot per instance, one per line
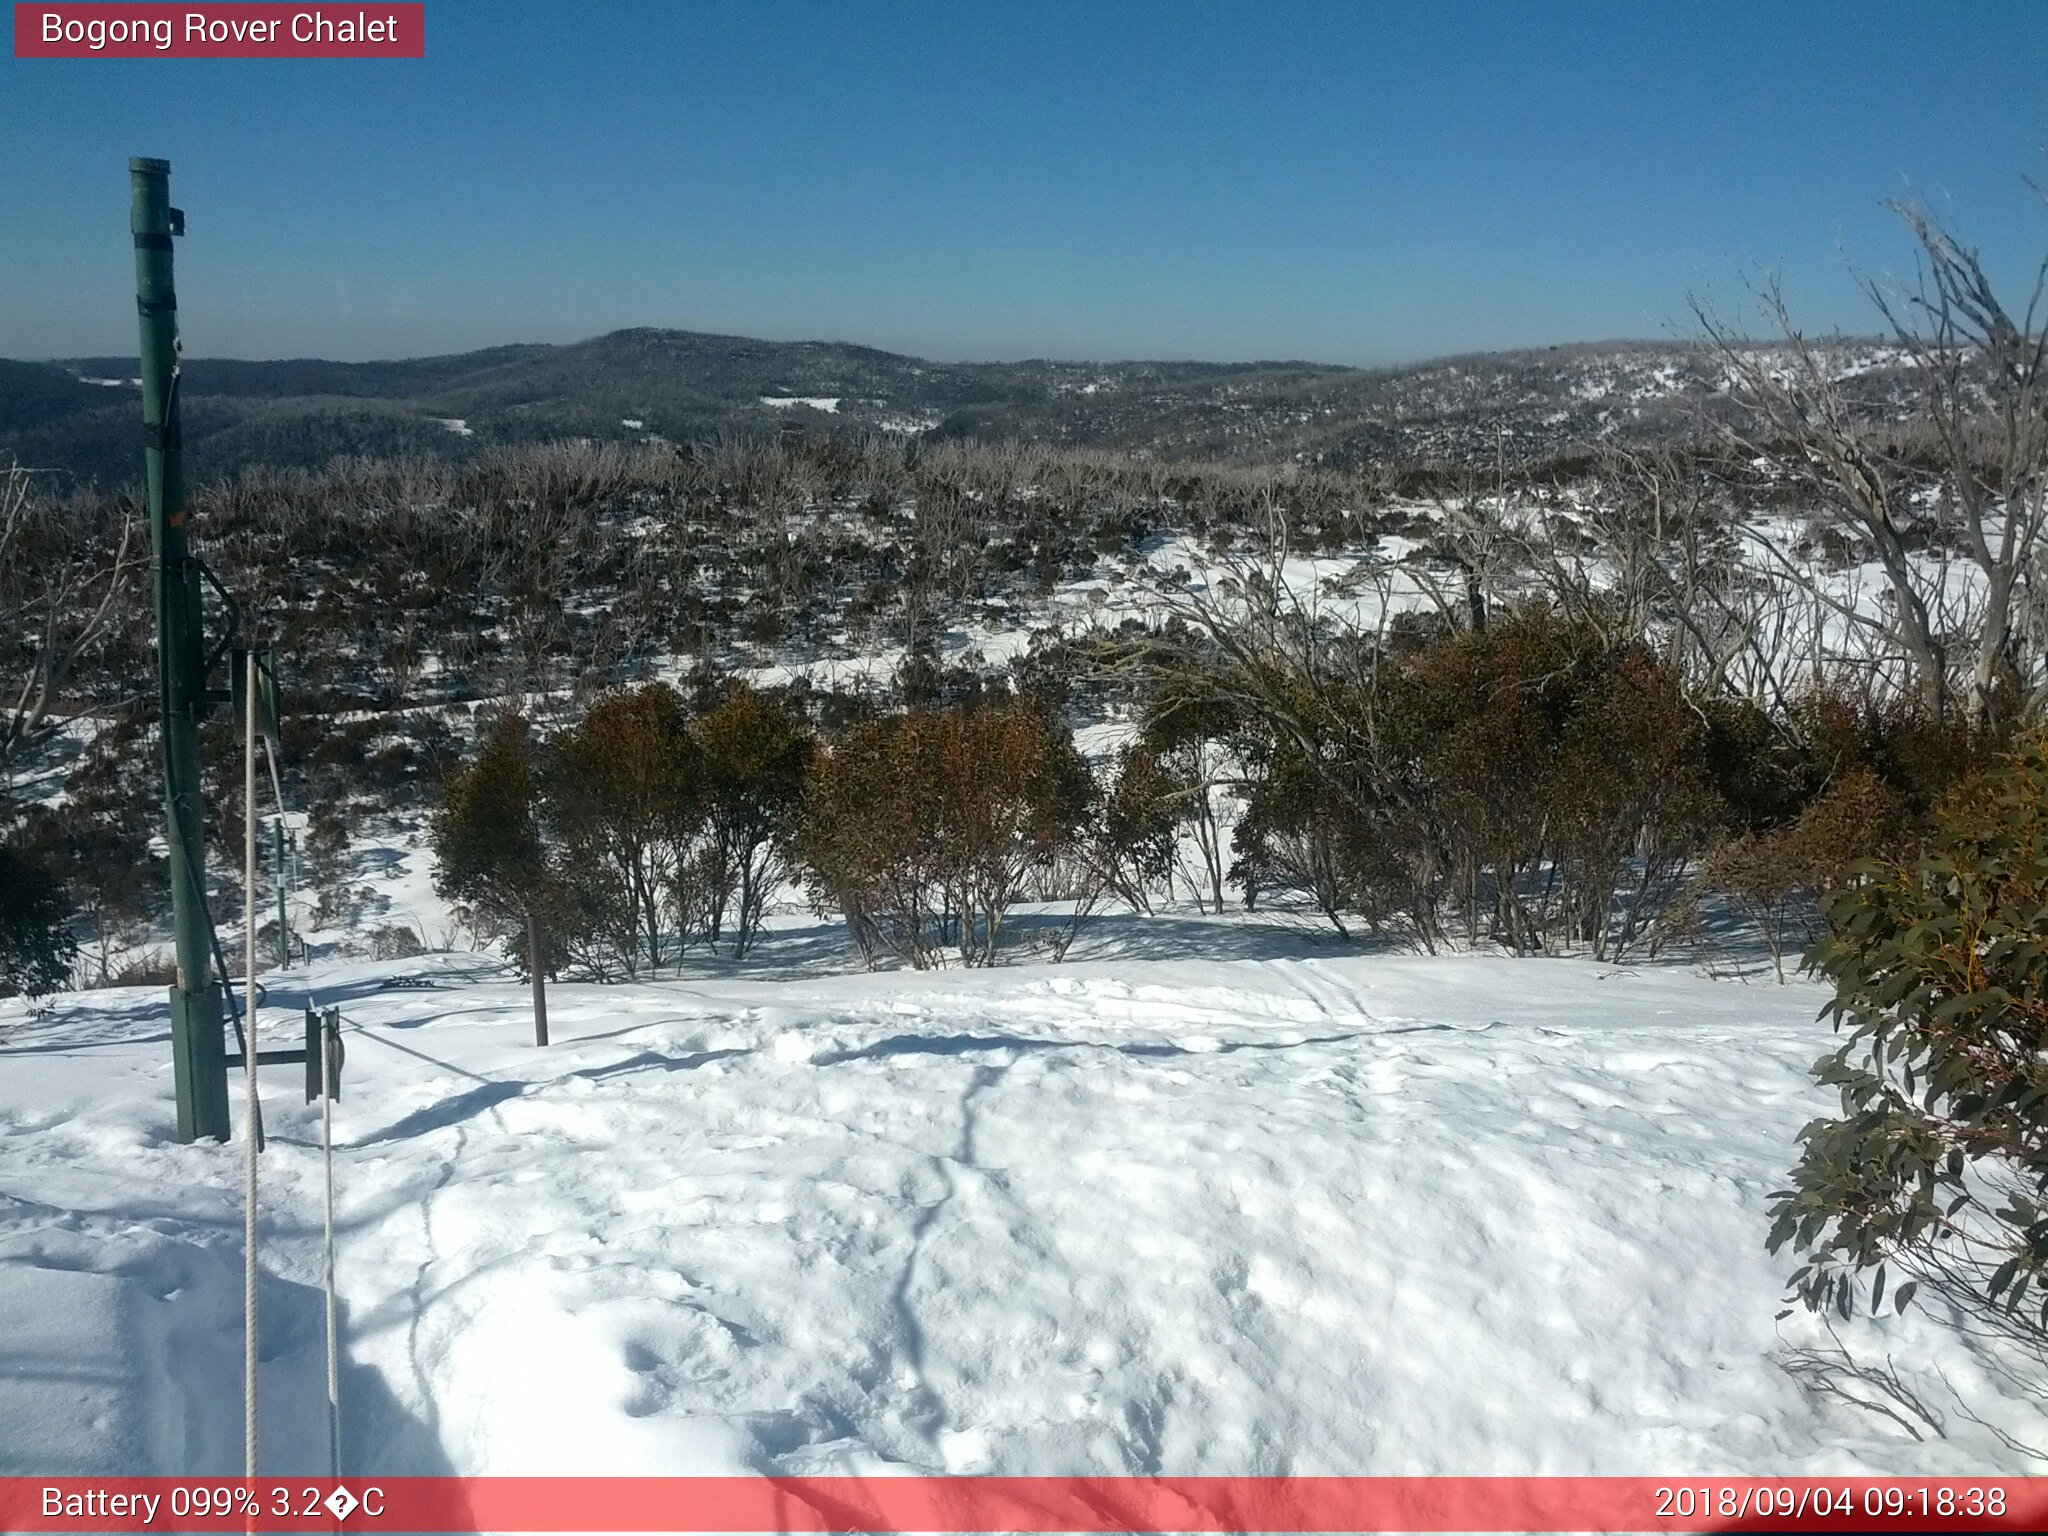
(81, 415)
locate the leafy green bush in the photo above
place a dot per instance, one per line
(1937, 1163)
(36, 945)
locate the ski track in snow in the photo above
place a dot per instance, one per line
(1359, 1214)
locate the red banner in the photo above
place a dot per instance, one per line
(103, 31)
(1025, 1504)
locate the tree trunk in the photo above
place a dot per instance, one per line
(536, 962)
(1991, 643)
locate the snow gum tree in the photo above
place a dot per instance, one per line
(1937, 1165)
(925, 828)
(622, 794)
(488, 850)
(755, 754)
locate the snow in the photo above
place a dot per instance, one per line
(826, 403)
(910, 425)
(457, 425)
(1218, 1198)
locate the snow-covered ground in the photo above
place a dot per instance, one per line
(1224, 1198)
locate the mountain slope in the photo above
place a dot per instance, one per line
(1497, 407)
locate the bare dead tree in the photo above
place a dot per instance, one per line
(1646, 552)
(1983, 371)
(1475, 537)
(1980, 372)
(66, 584)
(1798, 414)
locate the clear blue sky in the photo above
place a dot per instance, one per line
(1352, 182)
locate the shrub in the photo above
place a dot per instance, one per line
(1127, 846)
(1627, 799)
(1301, 836)
(395, 941)
(755, 754)
(923, 828)
(1918, 755)
(1554, 782)
(1776, 878)
(99, 838)
(622, 798)
(488, 852)
(1541, 780)
(153, 968)
(36, 945)
(1938, 1160)
(1133, 828)
(1758, 771)
(1835, 779)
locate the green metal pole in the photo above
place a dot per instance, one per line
(198, 1051)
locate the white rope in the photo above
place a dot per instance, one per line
(326, 1049)
(286, 872)
(249, 1351)
(276, 784)
(333, 1332)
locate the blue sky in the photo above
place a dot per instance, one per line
(1353, 182)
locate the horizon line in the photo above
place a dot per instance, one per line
(1616, 343)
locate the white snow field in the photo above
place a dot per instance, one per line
(1275, 1206)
